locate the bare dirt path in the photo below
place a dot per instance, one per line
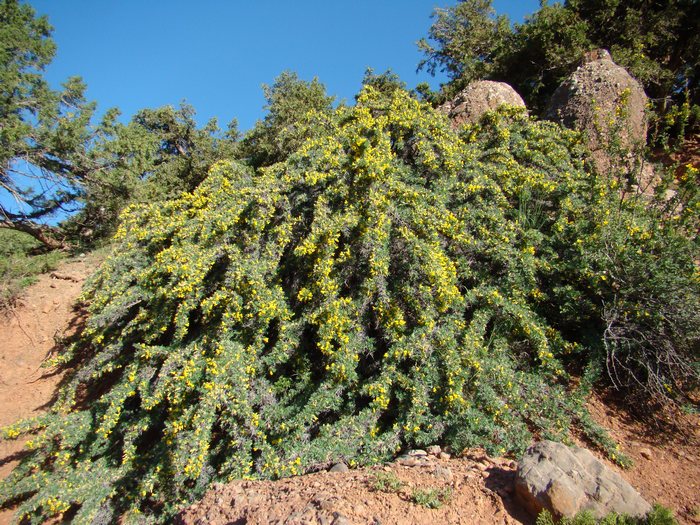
(28, 334)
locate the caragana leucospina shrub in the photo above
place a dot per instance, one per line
(391, 284)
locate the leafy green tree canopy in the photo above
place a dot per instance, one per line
(44, 133)
(47, 142)
(658, 42)
(468, 41)
(289, 102)
(159, 154)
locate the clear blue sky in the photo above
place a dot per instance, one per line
(215, 54)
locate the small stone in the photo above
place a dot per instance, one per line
(52, 285)
(387, 468)
(339, 467)
(46, 309)
(476, 454)
(327, 505)
(646, 453)
(255, 499)
(434, 450)
(444, 455)
(443, 473)
(417, 452)
(408, 461)
(341, 520)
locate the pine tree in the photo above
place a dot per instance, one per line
(44, 133)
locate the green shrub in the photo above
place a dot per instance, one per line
(391, 284)
(387, 482)
(431, 498)
(21, 260)
(659, 515)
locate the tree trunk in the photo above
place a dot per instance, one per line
(41, 232)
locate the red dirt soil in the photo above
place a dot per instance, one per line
(481, 486)
(480, 493)
(29, 334)
(666, 457)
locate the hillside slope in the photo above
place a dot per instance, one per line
(479, 484)
(29, 334)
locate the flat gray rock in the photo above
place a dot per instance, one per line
(339, 467)
(566, 480)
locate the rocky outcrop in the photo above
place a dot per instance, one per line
(605, 102)
(566, 480)
(478, 98)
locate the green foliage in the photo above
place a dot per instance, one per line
(390, 284)
(651, 305)
(623, 269)
(387, 482)
(659, 515)
(290, 102)
(469, 41)
(594, 431)
(386, 82)
(184, 153)
(551, 43)
(21, 260)
(43, 132)
(47, 141)
(658, 42)
(160, 154)
(431, 498)
(674, 121)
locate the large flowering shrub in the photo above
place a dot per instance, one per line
(391, 284)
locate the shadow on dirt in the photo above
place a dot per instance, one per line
(501, 483)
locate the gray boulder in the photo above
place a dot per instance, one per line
(605, 102)
(477, 98)
(566, 480)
